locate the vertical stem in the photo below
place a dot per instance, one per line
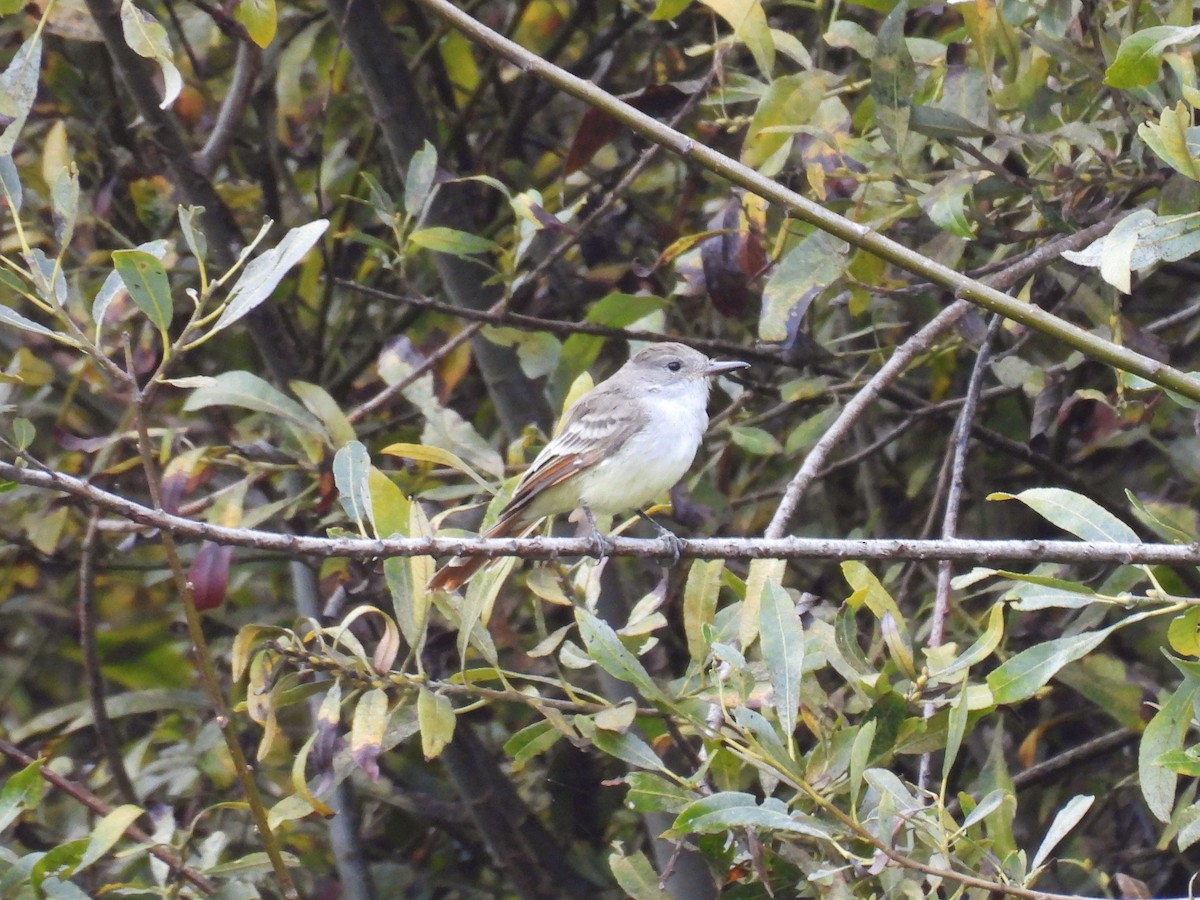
(203, 656)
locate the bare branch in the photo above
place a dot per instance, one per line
(972, 551)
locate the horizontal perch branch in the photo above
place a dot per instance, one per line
(971, 551)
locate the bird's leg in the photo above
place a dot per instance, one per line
(674, 541)
(603, 543)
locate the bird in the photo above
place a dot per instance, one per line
(621, 444)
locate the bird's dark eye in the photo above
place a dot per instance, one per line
(674, 365)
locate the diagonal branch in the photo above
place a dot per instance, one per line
(804, 209)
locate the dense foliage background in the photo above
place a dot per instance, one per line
(195, 701)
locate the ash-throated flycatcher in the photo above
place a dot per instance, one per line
(622, 444)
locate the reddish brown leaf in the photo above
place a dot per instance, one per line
(209, 575)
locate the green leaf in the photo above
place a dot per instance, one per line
(18, 90)
(20, 792)
(1024, 674)
(114, 283)
(893, 78)
(636, 877)
(248, 391)
(530, 742)
(318, 402)
(781, 637)
(452, 241)
(260, 19)
(1183, 634)
(435, 713)
(107, 832)
(625, 746)
(146, 280)
(1172, 139)
(1064, 820)
(788, 103)
(263, 274)
(1080, 515)
(749, 24)
(860, 757)
(606, 648)
(700, 603)
(367, 730)
(16, 320)
(10, 185)
(945, 204)
(1139, 57)
(1165, 733)
(64, 197)
(440, 457)
(649, 792)
(809, 267)
(422, 174)
(351, 470)
(194, 238)
(146, 37)
(733, 809)
(755, 440)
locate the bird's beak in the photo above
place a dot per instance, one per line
(717, 366)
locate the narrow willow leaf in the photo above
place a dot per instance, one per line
(16, 320)
(435, 713)
(1020, 677)
(1080, 515)
(956, 730)
(627, 747)
(20, 792)
(762, 573)
(700, 604)
(146, 37)
(366, 731)
(860, 758)
(146, 280)
(351, 473)
(1066, 819)
(64, 199)
(418, 185)
(440, 457)
(893, 77)
(114, 284)
(18, 90)
(193, 236)
(606, 648)
(318, 402)
(781, 637)
(636, 877)
(10, 184)
(107, 832)
(452, 241)
(1165, 732)
(734, 809)
(263, 274)
(248, 391)
(749, 23)
(530, 742)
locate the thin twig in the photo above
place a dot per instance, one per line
(954, 498)
(105, 734)
(99, 807)
(203, 655)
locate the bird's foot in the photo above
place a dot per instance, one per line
(673, 541)
(602, 545)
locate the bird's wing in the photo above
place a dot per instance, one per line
(593, 429)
